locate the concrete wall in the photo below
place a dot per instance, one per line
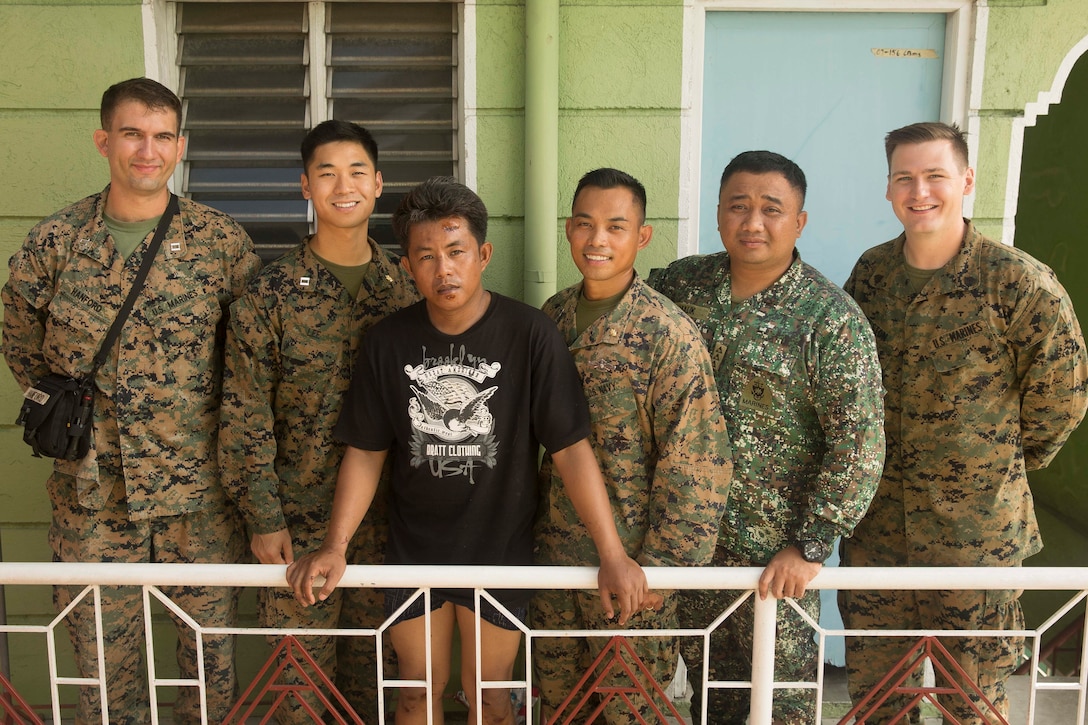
(500, 150)
(1032, 60)
(620, 94)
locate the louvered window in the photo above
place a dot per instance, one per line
(255, 76)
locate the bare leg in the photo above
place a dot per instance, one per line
(498, 650)
(408, 641)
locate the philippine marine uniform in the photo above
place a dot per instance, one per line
(799, 384)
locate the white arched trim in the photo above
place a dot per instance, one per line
(1032, 111)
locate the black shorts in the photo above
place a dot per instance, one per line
(396, 597)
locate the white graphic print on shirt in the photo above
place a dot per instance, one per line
(452, 426)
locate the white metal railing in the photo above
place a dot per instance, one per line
(151, 576)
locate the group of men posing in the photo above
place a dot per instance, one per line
(366, 410)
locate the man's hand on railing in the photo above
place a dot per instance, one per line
(621, 577)
(273, 548)
(787, 575)
(303, 574)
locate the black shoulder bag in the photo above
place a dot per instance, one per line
(58, 410)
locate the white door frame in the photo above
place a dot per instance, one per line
(961, 94)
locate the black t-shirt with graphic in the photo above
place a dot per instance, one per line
(464, 416)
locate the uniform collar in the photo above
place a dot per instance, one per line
(610, 328)
(961, 272)
(781, 286)
(309, 275)
(90, 239)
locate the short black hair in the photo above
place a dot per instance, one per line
(152, 94)
(440, 197)
(334, 130)
(608, 178)
(766, 162)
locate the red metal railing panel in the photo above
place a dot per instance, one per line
(290, 658)
(609, 662)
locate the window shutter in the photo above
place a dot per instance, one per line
(247, 76)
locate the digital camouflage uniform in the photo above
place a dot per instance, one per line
(985, 370)
(290, 353)
(799, 382)
(662, 445)
(149, 490)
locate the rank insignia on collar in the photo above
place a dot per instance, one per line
(303, 281)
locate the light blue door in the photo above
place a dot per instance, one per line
(821, 89)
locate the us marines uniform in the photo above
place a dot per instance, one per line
(985, 369)
(799, 383)
(290, 353)
(149, 490)
(662, 444)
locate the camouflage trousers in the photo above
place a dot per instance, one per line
(987, 661)
(559, 663)
(730, 657)
(213, 535)
(350, 662)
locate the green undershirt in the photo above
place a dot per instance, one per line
(128, 235)
(351, 276)
(588, 311)
(919, 278)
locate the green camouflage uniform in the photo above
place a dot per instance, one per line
(799, 380)
(149, 490)
(662, 444)
(985, 370)
(290, 352)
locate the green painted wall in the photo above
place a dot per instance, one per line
(619, 98)
(1050, 219)
(500, 100)
(620, 92)
(57, 58)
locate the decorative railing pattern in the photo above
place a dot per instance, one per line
(742, 580)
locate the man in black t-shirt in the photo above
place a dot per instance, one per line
(464, 387)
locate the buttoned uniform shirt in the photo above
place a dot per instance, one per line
(986, 376)
(290, 354)
(799, 382)
(156, 412)
(657, 432)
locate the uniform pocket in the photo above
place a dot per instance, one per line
(972, 376)
(314, 378)
(613, 412)
(183, 333)
(761, 379)
(74, 329)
